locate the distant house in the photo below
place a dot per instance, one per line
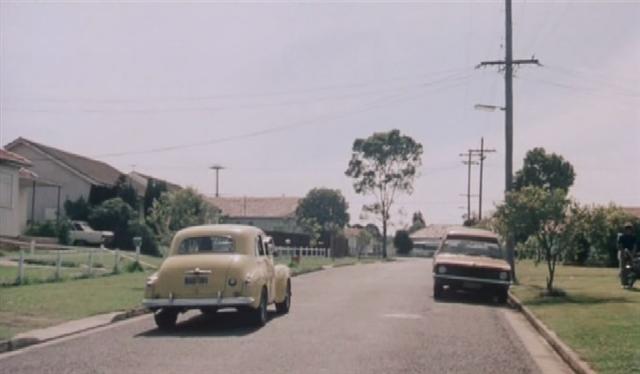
(429, 238)
(275, 215)
(141, 181)
(76, 175)
(268, 213)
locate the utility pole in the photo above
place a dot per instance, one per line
(508, 64)
(480, 152)
(217, 168)
(469, 163)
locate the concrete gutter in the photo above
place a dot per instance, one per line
(564, 351)
(66, 329)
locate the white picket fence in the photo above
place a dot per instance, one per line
(58, 261)
(303, 251)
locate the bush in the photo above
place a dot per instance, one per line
(114, 215)
(46, 229)
(149, 244)
(402, 241)
(51, 229)
(78, 210)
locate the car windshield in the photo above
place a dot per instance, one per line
(206, 244)
(472, 247)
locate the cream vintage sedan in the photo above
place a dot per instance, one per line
(218, 266)
(472, 260)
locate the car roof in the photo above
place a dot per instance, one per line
(472, 233)
(220, 229)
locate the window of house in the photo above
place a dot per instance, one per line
(6, 190)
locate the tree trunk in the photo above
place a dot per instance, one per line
(384, 237)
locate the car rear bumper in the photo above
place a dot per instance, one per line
(225, 302)
(457, 278)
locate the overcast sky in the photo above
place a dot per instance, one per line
(277, 92)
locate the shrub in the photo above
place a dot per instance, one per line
(402, 241)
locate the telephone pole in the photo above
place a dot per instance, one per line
(508, 64)
(469, 163)
(217, 168)
(481, 154)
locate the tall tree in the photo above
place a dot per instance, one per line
(548, 171)
(383, 165)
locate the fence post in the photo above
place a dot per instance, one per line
(32, 247)
(90, 261)
(58, 264)
(117, 260)
(21, 267)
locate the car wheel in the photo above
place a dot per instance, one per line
(259, 315)
(166, 318)
(284, 306)
(437, 290)
(502, 295)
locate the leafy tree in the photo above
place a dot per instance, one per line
(78, 210)
(384, 165)
(155, 188)
(402, 241)
(538, 213)
(177, 210)
(124, 190)
(549, 171)
(417, 222)
(322, 210)
(114, 215)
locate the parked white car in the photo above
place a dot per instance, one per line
(81, 234)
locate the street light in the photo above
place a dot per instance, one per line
(217, 168)
(488, 108)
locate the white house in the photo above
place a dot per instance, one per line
(75, 175)
(13, 196)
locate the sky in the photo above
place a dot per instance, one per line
(277, 92)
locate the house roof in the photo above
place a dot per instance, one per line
(13, 158)
(29, 176)
(432, 232)
(633, 210)
(256, 207)
(140, 182)
(97, 172)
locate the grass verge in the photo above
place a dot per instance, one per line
(35, 306)
(597, 318)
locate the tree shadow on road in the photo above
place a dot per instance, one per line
(221, 324)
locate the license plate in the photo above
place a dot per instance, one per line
(195, 280)
(471, 285)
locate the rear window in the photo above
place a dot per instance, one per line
(473, 247)
(206, 244)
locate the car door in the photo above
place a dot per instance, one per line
(266, 264)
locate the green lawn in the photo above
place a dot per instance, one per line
(597, 318)
(34, 306)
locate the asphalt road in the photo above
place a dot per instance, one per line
(376, 318)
